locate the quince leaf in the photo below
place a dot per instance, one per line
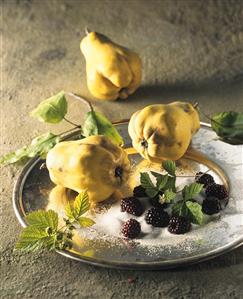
(228, 126)
(51, 110)
(39, 146)
(97, 124)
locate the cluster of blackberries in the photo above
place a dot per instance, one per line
(158, 217)
(215, 193)
(155, 216)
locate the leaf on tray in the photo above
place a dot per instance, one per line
(169, 166)
(228, 126)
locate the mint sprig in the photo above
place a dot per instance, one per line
(80, 206)
(167, 184)
(43, 230)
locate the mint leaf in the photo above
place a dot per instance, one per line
(169, 195)
(156, 174)
(40, 146)
(161, 182)
(51, 110)
(148, 185)
(169, 166)
(81, 204)
(189, 191)
(69, 212)
(171, 183)
(97, 124)
(195, 212)
(180, 209)
(33, 238)
(85, 222)
(43, 219)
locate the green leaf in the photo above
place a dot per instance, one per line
(195, 212)
(229, 126)
(170, 167)
(97, 124)
(189, 191)
(180, 209)
(69, 212)
(33, 238)
(51, 110)
(43, 219)
(81, 204)
(161, 182)
(169, 195)
(40, 146)
(148, 185)
(85, 222)
(171, 183)
(156, 174)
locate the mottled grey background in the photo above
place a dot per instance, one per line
(190, 50)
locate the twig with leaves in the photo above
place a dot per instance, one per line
(53, 111)
(43, 232)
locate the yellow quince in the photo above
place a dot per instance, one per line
(163, 131)
(94, 164)
(112, 71)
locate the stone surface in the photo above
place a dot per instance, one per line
(190, 50)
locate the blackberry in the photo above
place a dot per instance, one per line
(155, 201)
(157, 217)
(204, 178)
(131, 228)
(217, 190)
(132, 205)
(211, 206)
(179, 225)
(139, 191)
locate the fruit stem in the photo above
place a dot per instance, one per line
(86, 30)
(72, 123)
(77, 97)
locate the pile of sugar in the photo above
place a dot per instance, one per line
(109, 222)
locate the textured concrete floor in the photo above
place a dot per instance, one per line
(190, 49)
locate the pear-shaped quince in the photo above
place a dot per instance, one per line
(94, 164)
(112, 71)
(160, 132)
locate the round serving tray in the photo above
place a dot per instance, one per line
(34, 190)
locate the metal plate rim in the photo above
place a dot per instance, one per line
(158, 265)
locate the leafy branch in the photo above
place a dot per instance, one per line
(53, 110)
(165, 188)
(42, 231)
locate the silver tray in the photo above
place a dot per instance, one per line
(34, 190)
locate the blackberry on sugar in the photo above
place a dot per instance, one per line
(132, 205)
(217, 190)
(157, 217)
(131, 228)
(179, 225)
(204, 178)
(139, 191)
(211, 206)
